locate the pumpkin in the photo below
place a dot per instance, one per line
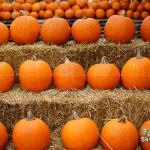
(144, 134)
(48, 14)
(64, 5)
(3, 136)
(41, 13)
(90, 13)
(7, 7)
(136, 15)
(140, 7)
(78, 13)
(69, 76)
(6, 15)
(82, 3)
(133, 6)
(16, 6)
(4, 34)
(72, 2)
(147, 6)
(31, 133)
(100, 13)
(119, 134)
(144, 14)
(123, 26)
(75, 7)
(116, 6)
(20, 1)
(52, 29)
(27, 6)
(86, 30)
(80, 134)
(84, 11)
(42, 5)
(109, 13)
(34, 14)
(93, 5)
(35, 75)
(15, 14)
(36, 7)
(69, 13)
(129, 13)
(104, 4)
(6, 77)
(145, 32)
(30, 1)
(24, 30)
(51, 6)
(103, 76)
(124, 5)
(135, 74)
(59, 13)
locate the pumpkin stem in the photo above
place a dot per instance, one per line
(34, 57)
(22, 12)
(75, 115)
(30, 116)
(123, 119)
(138, 54)
(104, 60)
(123, 13)
(67, 60)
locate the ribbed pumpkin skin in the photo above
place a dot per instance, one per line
(55, 31)
(81, 134)
(86, 30)
(119, 135)
(119, 29)
(103, 76)
(145, 29)
(4, 31)
(3, 136)
(135, 73)
(145, 126)
(6, 77)
(24, 30)
(35, 76)
(69, 76)
(31, 135)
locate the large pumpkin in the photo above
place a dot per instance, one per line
(119, 29)
(35, 75)
(24, 30)
(86, 30)
(31, 134)
(55, 31)
(6, 77)
(145, 29)
(68, 76)
(135, 73)
(119, 134)
(103, 76)
(4, 34)
(80, 134)
(3, 136)
(145, 135)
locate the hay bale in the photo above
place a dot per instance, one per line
(85, 54)
(56, 107)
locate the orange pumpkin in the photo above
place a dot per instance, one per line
(93, 5)
(41, 13)
(36, 7)
(24, 30)
(144, 135)
(124, 5)
(90, 13)
(20, 1)
(145, 26)
(6, 15)
(147, 6)
(144, 14)
(15, 14)
(72, 2)
(69, 13)
(42, 5)
(78, 13)
(53, 28)
(119, 134)
(82, 3)
(30, 1)
(34, 14)
(69, 76)
(140, 7)
(129, 13)
(116, 6)
(4, 34)
(7, 7)
(134, 74)
(59, 13)
(100, 13)
(109, 13)
(75, 7)
(104, 4)
(3, 136)
(6, 77)
(31, 133)
(27, 6)
(86, 30)
(16, 6)
(103, 76)
(123, 26)
(74, 131)
(51, 6)
(48, 14)
(35, 75)
(133, 6)
(64, 5)
(136, 15)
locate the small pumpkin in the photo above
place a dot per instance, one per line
(116, 6)
(134, 74)
(6, 15)
(53, 28)
(16, 6)
(4, 34)
(6, 77)
(69, 76)
(82, 3)
(119, 134)
(136, 15)
(86, 30)
(144, 14)
(90, 13)
(124, 5)
(31, 133)
(64, 5)
(133, 6)
(78, 14)
(123, 26)
(109, 13)
(15, 14)
(72, 2)
(144, 134)
(59, 13)
(69, 13)
(47, 14)
(145, 26)
(35, 75)
(24, 30)
(41, 13)
(103, 76)
(140, 7)
(34, 14)
(100, 13)
(104, 4)
(36, 7)
(42, 5)
(27, 6)
(7, 7)
(129, 13)
(51, 6)
(3, 136)
(80, 134)
(147, 6)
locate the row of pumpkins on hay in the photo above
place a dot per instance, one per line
(36, 75)
(118, 29)
(75, 9)
(78, 134)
